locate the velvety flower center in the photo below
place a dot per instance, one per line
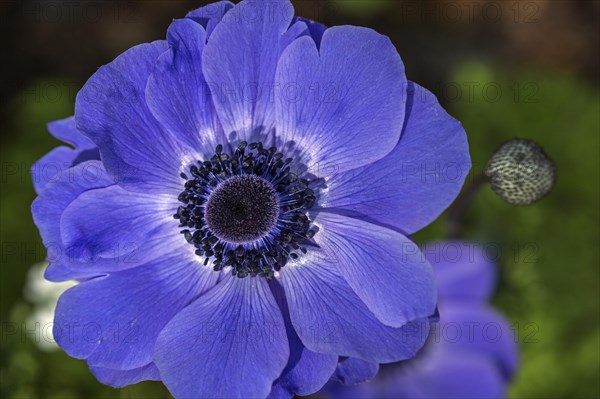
(242, 209)
(246, 210)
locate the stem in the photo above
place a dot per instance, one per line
(460, 206)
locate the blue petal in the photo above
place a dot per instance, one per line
(70, 260)
(230, 343)
(455, 375)
(476, 328)
(384, 268)
(280, 392)
(306, 371)
(49, 168)
(240, 60)
(121, 378)
(330, 318)
(66, 131)
(127, 226)
(58, 272)
(411, 186)
(353, 371)
(345, 99)
(316, 29)
(111, 110)
(469, 354)
(450, 375)
(463, 270)
(49, 206)
(210, 15)
(177, 93)
(113, 321)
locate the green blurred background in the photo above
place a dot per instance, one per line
(505, 69)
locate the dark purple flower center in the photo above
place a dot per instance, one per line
(246, 210)
(242, 209)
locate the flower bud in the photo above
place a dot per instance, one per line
(520, 172)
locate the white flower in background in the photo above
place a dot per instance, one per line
(43, 295)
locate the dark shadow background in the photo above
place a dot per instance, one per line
(503, 68)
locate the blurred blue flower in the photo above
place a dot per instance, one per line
(237, 204)
(471, 352)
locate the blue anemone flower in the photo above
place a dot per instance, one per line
(237, 202)
(471, 352)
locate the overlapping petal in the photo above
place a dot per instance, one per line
(177, 93)
(411, 186)
(330, 318)
(306, 371)
(50, 167)
(121, 378)
(385, 269)
(343, 99)
(352, 371)
(316, 30)
(210, 15)
(471, 350)
(126, 227)
(58, 271)
(48, 207)
(111, 110)
(71, 256)
(113, 321)
(240, 60)
(230, 343)
(66, 131)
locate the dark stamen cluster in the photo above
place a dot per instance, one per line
(219, 213)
